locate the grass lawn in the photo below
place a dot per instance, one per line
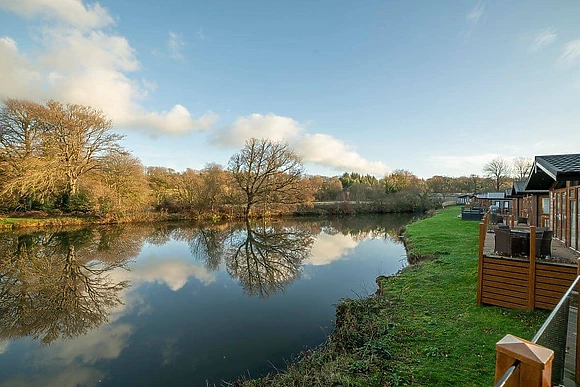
(423, 328)
(12, 223)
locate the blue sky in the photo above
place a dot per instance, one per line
(369, 86)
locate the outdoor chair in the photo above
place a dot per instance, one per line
(519, 245)
(546, 245)
(503, 245)
(523, 244)
(522, 220)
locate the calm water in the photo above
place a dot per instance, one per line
(180, 305)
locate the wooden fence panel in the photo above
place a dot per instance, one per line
(505, 282)
(552, 281)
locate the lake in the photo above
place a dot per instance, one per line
(180, 304)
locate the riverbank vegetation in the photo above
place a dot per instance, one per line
(61, 160)
(66, 159)
(421, 328)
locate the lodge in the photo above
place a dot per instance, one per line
(524, 275)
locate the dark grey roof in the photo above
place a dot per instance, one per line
(538, 181)
(519, 186)
(560, 167)
(517, 189)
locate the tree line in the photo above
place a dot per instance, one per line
(66, 158)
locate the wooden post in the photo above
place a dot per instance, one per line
(482, 232)
(535, 369)
(532, 270)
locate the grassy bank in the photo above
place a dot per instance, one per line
(10, 223)
(38, 219)
(422, 328)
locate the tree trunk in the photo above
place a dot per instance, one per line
(248, 209)
(71, 186)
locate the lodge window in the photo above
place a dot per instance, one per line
(545, 205)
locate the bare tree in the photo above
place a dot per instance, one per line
(26, 173)
(187, 187)
(214, 187)
(124, 181)
(20, 129)
(499, 170)
(79, 137)
(266, 170)
(521, 167)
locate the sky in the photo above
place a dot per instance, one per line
(436, 88)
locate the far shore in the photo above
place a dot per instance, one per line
(40, 219)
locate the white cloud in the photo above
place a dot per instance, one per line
(175, 44)
(270, 126)
(329, 248)
(472, 19)
(16, 75)
(72, 362)
(71, 12)
(476, 13)
(173, 272)
(328, 151)
(571, 52)
(177, 121)
(107, 342)
(543, 39)
(76, 61)
(320, 149)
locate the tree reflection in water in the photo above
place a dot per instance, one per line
(266, 259)
(56, 285)
(59, 285)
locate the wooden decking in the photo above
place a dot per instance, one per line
(521, 282)
(560, 253)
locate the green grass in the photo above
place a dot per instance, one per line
(422, 329)
(13, 223)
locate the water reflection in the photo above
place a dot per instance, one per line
(50, 287)
(265, 259)
(184, 280)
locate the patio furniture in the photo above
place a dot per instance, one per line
(503, 242)
(522, 220)
(472, 214)
(521, 242)
(546, 245)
